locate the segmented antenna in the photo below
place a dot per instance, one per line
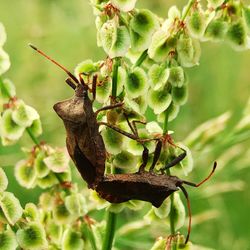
(56, 63)
(187, 198)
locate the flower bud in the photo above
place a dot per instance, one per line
(180, 95)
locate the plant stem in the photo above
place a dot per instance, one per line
(141, 59)
(110, 231)
(115, 76)
(33, 138)
(189, 6)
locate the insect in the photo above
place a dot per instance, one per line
(87, 150)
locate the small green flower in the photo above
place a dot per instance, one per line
(8, 238)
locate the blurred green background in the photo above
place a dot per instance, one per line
(66, 31)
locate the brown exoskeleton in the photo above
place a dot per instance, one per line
(87, 150)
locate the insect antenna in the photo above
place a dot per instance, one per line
(203, 181)
(56, 63)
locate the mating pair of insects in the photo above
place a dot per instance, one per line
(87, 150)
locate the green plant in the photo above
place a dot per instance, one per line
(145, 55)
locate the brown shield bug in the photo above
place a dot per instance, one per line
(87, 150)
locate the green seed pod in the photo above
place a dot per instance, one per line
(24, 115)
(121, 43)
(237, 35)
(160, 244)
(116, 208)
(176, 77)
(136, 148)
(180, 95)
(121, 80)
(124, 5)
(162, 43)
(153, 128)
(76, 204)
(125, 160)
(246, 16)
(216, 30)
(163, 211)
(174, 13)
(47, 181)
(196, 24)
(139, 43)
(144, 22)
(36, 127)
(103, 91)
(87, 67)
(4, 61)
(113, 140)
(61, 214)
(72, 240)
(8, 128)
(7, 88)
(158, 75)
(3, 35)
(159, 100)
(32, 237)
(172, 110)
(31, 212)
(46, 201)
(179, 212)
(8, 238)
(10, 207)
(215, 3)
(54, 231)
(58, 161)
(25, 174)
(136, 83)
(139, 104)
(40, 167)
(3, 180)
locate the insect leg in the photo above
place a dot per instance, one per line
(129, 135)
(113, 106)
(189, 212)
(156, 155)
(207, 178)
(144, 160)
(70, 82)
(94, 86)
(176, 160)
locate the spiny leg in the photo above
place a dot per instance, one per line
(189, 212)
(70, 82)
(112, 106)
(94, 86)
(157, 154)
(176, 160)
(144, 159)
